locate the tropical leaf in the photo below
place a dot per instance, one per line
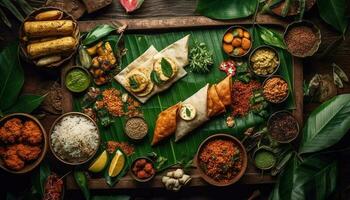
(314, 178)
(5, 19)
(12, 76)
(12, 8)
(226, 9)
(333, 12)
(271, 37)
(27, 9)
(98, 33)
(40, 177)
(26, 104)
(326, 125)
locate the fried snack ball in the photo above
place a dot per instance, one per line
(12, 160)
(31, 133)
(11, 130)
(28, 153)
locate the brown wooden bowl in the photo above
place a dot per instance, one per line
(230, 30)
(31, 165)
(78, 162)
(210, 180)
(139, 179)
(276, 76)
(276, 114)
(293, 10)
(23, 42)
(263, 47)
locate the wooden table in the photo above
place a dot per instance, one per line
(160, 9)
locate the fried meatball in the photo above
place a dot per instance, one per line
(28, 153)
(12, 160)
(31, 133)
(11, 130)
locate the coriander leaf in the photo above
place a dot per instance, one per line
(133, 83)
(166, 68)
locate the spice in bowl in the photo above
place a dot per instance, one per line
(264, 61)
(302, 39)
(236, 41)
(136, 128)
(143, 169)
(77, 79)
(275, 89)
(283, 127)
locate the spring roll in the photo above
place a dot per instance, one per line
(199, 102)
(57, 46)
(215, 105)
(49, 15)
(48, 60)
(224, 89)
(49, 28)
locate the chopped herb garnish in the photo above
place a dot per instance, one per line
(188, 112)
(166, 68)
(133, 83)
(200, 58)
(155, 78)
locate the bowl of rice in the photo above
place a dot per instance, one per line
(74, 138)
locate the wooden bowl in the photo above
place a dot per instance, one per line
(23, 42)
(276, 114)
(263, 47)
(79, 162)
(210, 180)
(294, 9)
(230, 30)
(84, 70)
(139, 179)
(276, 76)
(31, 165)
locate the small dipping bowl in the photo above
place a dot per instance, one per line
(271, 156)
(278, 116)
(251, 63)
(136, 128)
(269, 78)
(133, 165)
(315, 30)
(237, 44)
(77, 71)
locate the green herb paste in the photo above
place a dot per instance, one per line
(264, 159)
(77, 80)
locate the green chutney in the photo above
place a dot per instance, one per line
(264, 159)
(77, 80)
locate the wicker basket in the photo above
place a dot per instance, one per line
(24, 42)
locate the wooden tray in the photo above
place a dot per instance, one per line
(252, 175)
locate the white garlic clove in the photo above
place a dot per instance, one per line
(178, 173)
(170, 183)
(165, 179)
(185, 179)
(170, 174)
(177, 183)
(125, 97)
(177, 188)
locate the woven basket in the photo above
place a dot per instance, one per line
(23, 42)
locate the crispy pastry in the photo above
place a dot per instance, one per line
(215, 105)
(49, 15)
(56, 46)
(165, 124)
(223, 89)
(49, 28)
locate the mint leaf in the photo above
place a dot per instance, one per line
(133, 83)
(155, 78)
(188, 112)
(166, 68)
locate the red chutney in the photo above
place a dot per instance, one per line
(241, 95)
(221, 160)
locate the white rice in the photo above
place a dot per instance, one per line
(74, 138)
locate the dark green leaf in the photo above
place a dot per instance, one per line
(271, 37)
(166, 68)
(98, 33)
(27, 9)
(40, 177)
(314, 178)
(133, 83)
(82, 182)
(333, 12)
(326, 125)
(5, 19)
(188, 112)
(286, 6)
(12, 76)
(111, 181)
(226, 9)
(26, 103)
(302, 4)
(12, 8)
(155, 78)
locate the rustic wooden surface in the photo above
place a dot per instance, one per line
(319, 63)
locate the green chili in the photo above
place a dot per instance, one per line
(81, 180)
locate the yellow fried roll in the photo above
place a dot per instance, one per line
(56, 46)
(49, 28)
(49, 15)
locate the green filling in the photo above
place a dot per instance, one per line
(264, 159)
(77, 80)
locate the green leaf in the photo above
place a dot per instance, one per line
(333, 12)
(26, 103)
(166, 68)
(188, 112)
(5, 19)
(12, 76)
(133, 83)
(155, 78)
(40, 177)
(82, 182)
(314, 178)
(27, 9)
(326, 125)
(12, 8)
(111, 181)
(271, 37)
(226, 9)
(98, 33)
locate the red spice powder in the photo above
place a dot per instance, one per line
(241, 94)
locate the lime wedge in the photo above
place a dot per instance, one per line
(117, 164)
(100, 163)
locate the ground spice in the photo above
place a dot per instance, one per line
(275, 90)
(124, 146)
(300, 40)
(283, 127)
(136, 128)
(241, 95)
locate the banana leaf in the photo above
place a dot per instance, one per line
(184, 88)
(12, 8)
(326, 125)
(333, 12)
(26, 103)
